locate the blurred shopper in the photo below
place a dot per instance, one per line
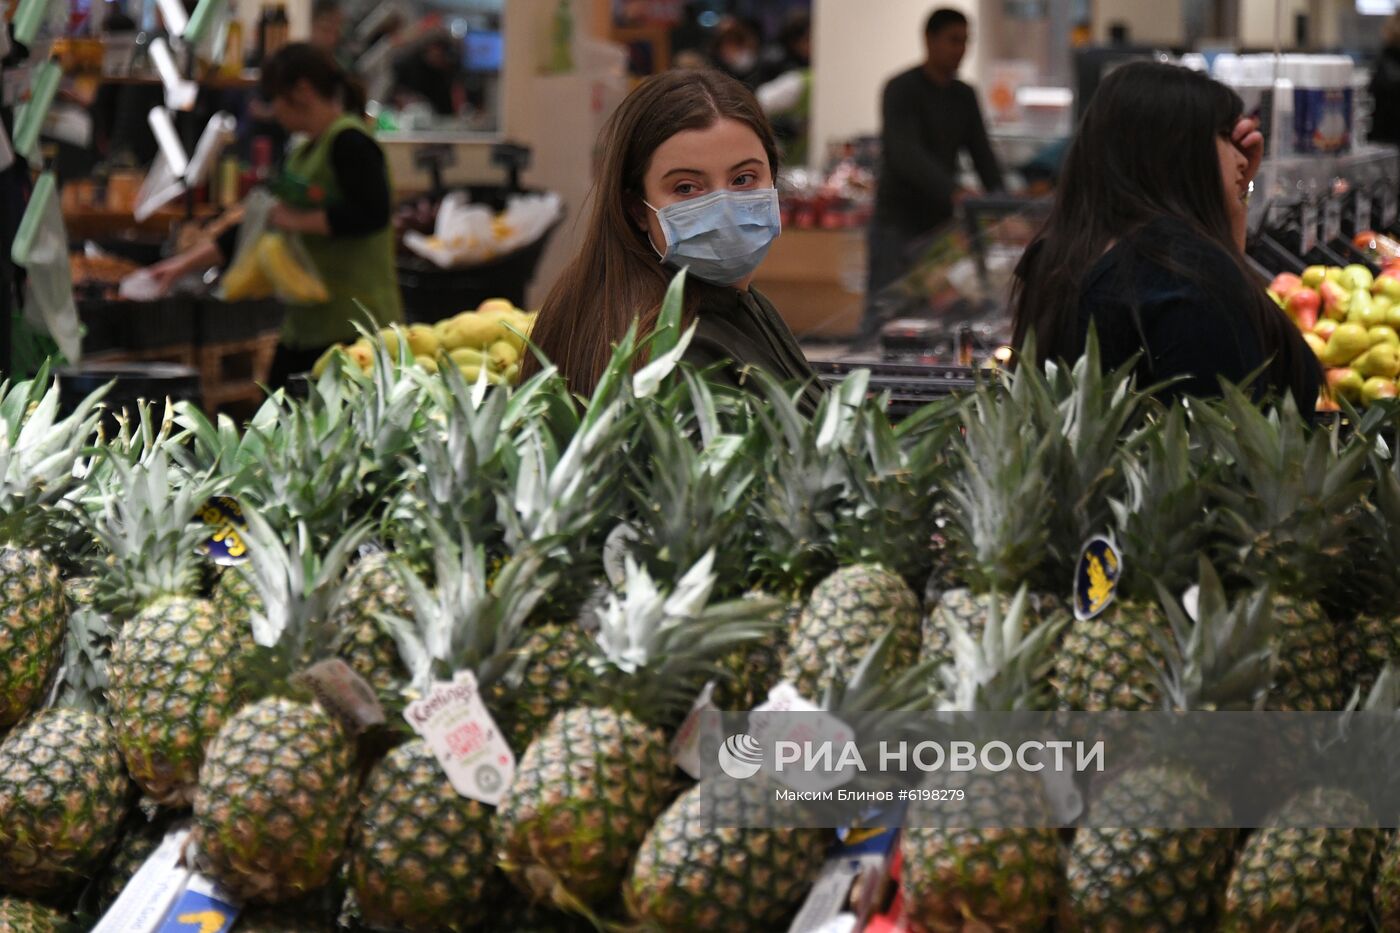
(686, 183)
(929, 118)
(1385, 86)
(433, 75)
(328, 30)
(1146, 243)
(786, 94)
(792, 51)
(736, 50)
(349, 239)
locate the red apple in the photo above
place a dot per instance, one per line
(1285, 284)
(1302, 306)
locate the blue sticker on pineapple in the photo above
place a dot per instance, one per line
(225, 545)
(1096, 578)
(199, 911)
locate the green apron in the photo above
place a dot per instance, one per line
(353, 268)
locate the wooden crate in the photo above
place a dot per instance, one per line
(233, 373)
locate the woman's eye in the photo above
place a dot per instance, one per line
(748, 178)
(685, 189)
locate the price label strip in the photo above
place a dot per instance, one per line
(203, 907)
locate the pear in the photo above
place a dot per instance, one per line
(427, 363)
(389, 336)
(361, 353)
(503, 354)
(1376, 388)
(1345, 383)
(1348, 342)
(423, 340)
(1382, 360)
(466, 356)
(1318, 345)
(472, 330)
(1313, 276)
(495, 306)
(1383, 334)
(324, 360)
(1357, 276)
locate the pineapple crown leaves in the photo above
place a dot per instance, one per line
(39, 452)
(806, 475)
(1000, 497)
(665, 644)
(690, 501)
(300, 586)
(145, 516)
(469, 621)
(387, 412)
(1006, 671)
(878, 685)
(82, 680)
(1161, 522)
(1287, 492)
(1224, 659)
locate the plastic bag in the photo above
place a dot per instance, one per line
(466, 233)
(268, 263)
(41, 247)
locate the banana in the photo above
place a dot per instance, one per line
(245, 279)
(292, 282)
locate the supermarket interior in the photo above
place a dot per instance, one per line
(144, 139)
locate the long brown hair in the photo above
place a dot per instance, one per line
(616, 277)
(1145, 150)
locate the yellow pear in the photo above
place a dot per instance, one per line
(1382, 360)
(361, 353)
(1318, 345)
(1384, 334)
(495, 306)
(390, 338)
(466, 356)
(324, 361)
(1348, 342)
(423, 340)
(503, 354)
(472, 330)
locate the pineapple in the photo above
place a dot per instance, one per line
(1299, 872)
(372, 588)
(1387, 890)
(171, 680)
(707, 864)
(999, 871)
(1367, 641)
(589, 788)
(275, 799)
(38, 456)
(1108, 662)
(20, 916)
(1001, 506)
(142, 837)
(1154, 879)
(423, 854)
(63, 793)
(1285, 498)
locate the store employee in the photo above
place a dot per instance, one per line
(686, 181)
(350, 239)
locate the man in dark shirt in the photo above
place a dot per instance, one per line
(929, 117)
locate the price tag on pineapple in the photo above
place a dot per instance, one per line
(465, 739)
(203, 907)
(225, 545)
(698, 738)
(1096, 578)
(787, 716)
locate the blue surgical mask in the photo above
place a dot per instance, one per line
(721, 237)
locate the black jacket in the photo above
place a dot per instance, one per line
(1192, 323)
(1385, 92)
(742, 329)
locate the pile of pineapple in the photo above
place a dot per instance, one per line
(484, 344)
(406, 526)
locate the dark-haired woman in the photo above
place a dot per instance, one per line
(686, 182)
(348, 234)
(1146, 241)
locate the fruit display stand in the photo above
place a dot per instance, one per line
(816, 278)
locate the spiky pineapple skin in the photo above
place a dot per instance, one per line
(750, 672)
(1150, 880)
(846, 614)
(1306, 880)
(173, 682)
(135, 846)
(556, 677)
(423, 853)
(1387, 889)
(982, 876)
(235, 598)
(63, 793)
(586, 792)
(1308, 678)
(1364, 645)
(700, 868)
(33, 616)
(372, 587)
(19, 916)
(1109, 662)
(275, 801)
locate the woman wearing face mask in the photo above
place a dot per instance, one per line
(349, 237)
(1146, 242)
(686, 182)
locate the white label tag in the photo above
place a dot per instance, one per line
(1331, 220)
(698, 738)
(147, 897)
(1308, 222)
(769, 726)
(464, 737)
(1191, 602)
(1066, 802)
(825, 907)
